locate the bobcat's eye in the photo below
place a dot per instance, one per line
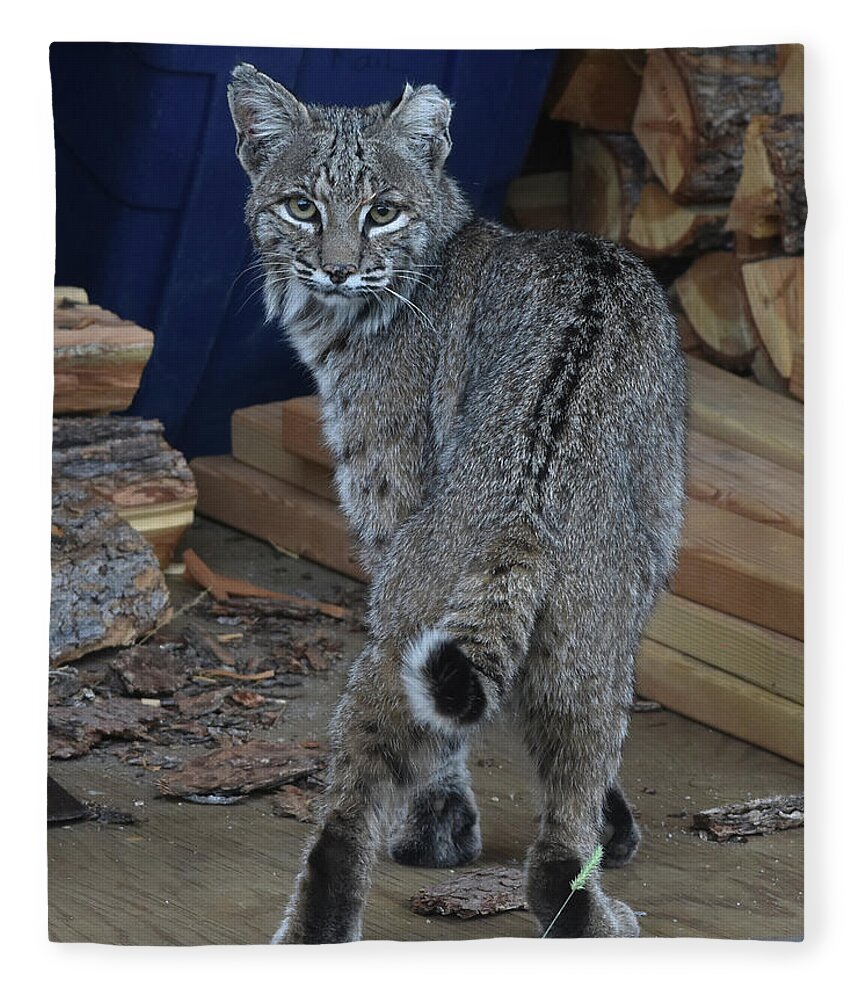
(382, 213)
(301, 208)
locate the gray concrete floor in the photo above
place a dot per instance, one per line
(203, 874)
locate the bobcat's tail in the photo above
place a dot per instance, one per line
(458, 672)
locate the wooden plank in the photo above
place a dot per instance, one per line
(726, 476)
(745, 414)
(767, 659)
(302, 433)
(741, 567)
(718, 699)
(257, 440)
(277, 512)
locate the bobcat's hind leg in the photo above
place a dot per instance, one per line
(440, 826)
(574, 727)
(621, 833)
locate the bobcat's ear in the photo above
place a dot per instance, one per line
(420, 119)
(266, 115)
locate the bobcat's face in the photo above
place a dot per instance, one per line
(344, 201)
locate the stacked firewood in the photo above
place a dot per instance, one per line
(98, 364)
(121, 496)
(692, 158)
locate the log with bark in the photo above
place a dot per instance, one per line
(791, 78)
(774, 291)
(98, 357)
(597, 88)
(540, 201)
(608, 171)
(770, 199)
(127, 462)
(106, 585)
(711, 295)
(661, 226)
(694, 107)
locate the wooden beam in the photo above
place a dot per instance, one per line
(725, 476)
(718, 699)
(741, 567)
(302, 430)
(258, 441)
(745, 414)
(277, 512)
(764, 658)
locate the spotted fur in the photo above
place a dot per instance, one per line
(506, 411)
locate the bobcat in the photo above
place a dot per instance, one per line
(506, 411)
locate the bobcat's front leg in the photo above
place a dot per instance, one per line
(373, 750)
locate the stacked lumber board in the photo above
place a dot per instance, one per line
(725, 644)
(692, 158)
(98, 363)
(283, 496)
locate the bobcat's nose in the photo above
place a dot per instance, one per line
(338, 273)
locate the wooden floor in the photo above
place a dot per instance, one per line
(189, 874)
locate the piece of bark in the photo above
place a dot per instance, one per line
(196, 705)
(106, 585)
(748, 819)
(254, 767)
(473, 894)
(693, 109)
(295, 803)
(598, 88)
(74, 730)
(150, 671)
(248, 699)
(608, 171)
(226, 587)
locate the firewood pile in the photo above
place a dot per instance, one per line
(122, 497)
(692, 158)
